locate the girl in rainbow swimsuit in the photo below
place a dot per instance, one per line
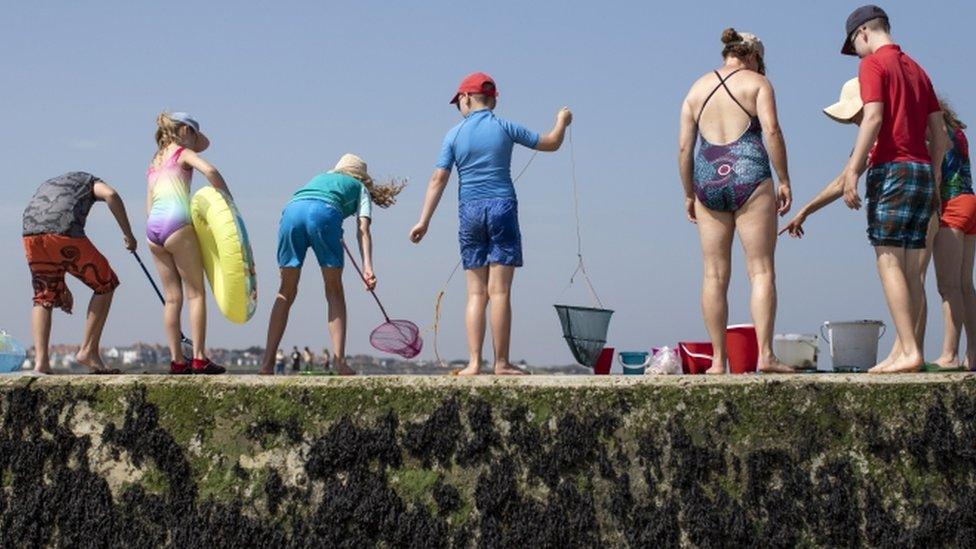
(172, 240)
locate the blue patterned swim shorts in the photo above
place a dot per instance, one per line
(488, 232)
(900, 198)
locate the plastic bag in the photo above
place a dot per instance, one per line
(664, 362)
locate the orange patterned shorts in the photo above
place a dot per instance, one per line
(50, 256)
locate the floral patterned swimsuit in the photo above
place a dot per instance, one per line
(727, 175)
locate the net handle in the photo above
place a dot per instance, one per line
(363, 277)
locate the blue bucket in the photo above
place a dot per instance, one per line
(634, 362)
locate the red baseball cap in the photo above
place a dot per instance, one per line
(477, 82)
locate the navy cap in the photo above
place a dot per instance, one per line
(857, 18)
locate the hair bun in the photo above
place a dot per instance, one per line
(730, 36)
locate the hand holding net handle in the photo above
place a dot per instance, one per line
(363, 277)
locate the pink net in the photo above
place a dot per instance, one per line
(399, 337)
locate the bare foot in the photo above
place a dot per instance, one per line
(718, 368)
(266, 371)
(946, 362)
(880, 367)
(506, 369)
(42, 371)
(92, 361)
(905, 364)
(772, 365)
(472, 369)
(344, 370)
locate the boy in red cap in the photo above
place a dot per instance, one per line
(900, 106)
(490, 239)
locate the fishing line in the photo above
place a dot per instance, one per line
(580, 266)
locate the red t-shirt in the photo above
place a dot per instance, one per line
(891, 77)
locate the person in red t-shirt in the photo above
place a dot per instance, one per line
(900, 106)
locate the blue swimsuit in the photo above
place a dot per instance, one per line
(727, 175)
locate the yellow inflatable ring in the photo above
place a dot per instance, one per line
(226, 250)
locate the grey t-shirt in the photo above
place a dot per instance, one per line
(61, 205)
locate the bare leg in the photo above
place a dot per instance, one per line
(474, 318)
(499, 295)
(173, 299)
(756, 224)
(41, 326)
(715, 230)
(89, 354)
(922, 306)
(336, 297)
(948, 271)
(278, 321)
(969, 298)
(185, 251)
(898, 270)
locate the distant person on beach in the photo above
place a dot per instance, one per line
(280, 363)
(325, 359)
(489, 235)
(55, 245)
(729, 187)
(308, 358)
(313, 219)
(172, 238)
(900, 107)
(296, 360)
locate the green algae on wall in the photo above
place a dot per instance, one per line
(800, 460)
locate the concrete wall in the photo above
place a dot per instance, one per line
(439, 462)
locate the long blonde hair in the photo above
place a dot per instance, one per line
(384, 195)
(949, 115)
(167, 133)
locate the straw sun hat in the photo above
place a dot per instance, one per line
(353, 166)
(849, 104)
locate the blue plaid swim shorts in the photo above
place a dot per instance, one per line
(900, 196)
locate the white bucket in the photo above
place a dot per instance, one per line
(799, 350)
(853, 344)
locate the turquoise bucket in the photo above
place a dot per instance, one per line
(634, 362)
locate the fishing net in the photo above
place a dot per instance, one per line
(585, 331)
(399, 337)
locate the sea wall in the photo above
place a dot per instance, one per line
(140, 461)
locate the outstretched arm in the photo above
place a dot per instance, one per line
(554, 139)
(366, 252)
(686, 157)
(766, 110)
(830, 193)
(195, 161)
(435, 189)
(115, 205)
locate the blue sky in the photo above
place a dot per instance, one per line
(284, 88)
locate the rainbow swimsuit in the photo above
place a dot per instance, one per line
(169, 191)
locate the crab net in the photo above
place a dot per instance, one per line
(399, 337)
(585, 331)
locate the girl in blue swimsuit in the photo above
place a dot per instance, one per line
(728, 187)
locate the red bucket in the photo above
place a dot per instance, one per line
(743, 348)
(695, 357)
(604, 362)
